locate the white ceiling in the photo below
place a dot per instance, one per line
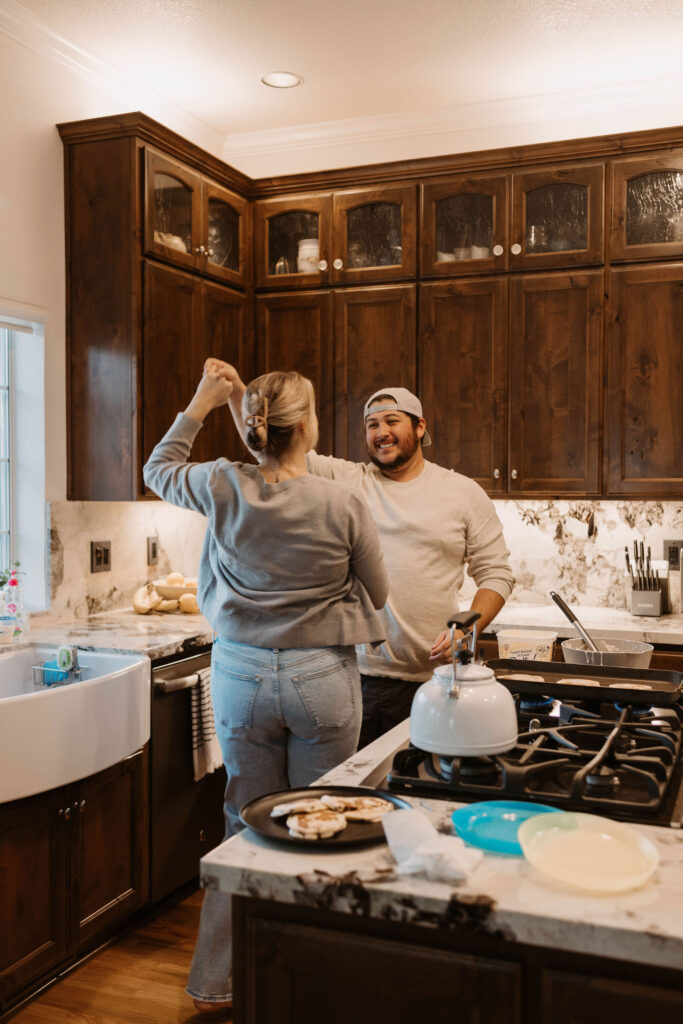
(404, 61)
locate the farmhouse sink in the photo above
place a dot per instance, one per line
(54, 734)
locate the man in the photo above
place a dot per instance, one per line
(432, 523)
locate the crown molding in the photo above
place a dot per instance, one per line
(438, 123)
(20, 24)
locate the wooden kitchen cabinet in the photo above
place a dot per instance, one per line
(527, 420)
(74, 865)
(187, 319)
(354, 236)
(644, 418)
(194, 222)
(343, 341)
(646, 216)
(136, 334)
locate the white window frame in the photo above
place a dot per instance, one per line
(28, 509)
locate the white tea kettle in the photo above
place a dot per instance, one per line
(463, 711)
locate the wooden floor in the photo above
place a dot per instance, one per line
(138, 980)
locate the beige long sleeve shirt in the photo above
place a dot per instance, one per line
(432, 529)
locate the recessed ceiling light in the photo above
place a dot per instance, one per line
(281, 79)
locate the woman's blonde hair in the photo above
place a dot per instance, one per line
(273, 406)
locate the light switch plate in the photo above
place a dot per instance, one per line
(100, 556)
(152, 550)
(672, 553)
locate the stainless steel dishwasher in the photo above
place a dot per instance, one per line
(186, 817)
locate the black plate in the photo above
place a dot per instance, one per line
(664, 687)
(256, 815)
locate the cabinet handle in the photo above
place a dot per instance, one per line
(81, 806)
(65, 813)
(514, 474)
(496, 474)
(322, 265)
(515, 249)
(338, 264)
(498, 250)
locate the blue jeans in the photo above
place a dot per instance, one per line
(283, 718)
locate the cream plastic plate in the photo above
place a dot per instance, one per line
(172, 593)
(586, 851)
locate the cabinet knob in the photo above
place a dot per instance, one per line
(515, 249)
(81, 806)
(322, 265)
(496, 474)
(65, 812)
(338, 264)
(201, 251)
(514, 474)
(209, 252)
(498, 250)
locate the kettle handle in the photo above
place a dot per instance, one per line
(463, 619)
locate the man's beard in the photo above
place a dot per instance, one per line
(401, 456)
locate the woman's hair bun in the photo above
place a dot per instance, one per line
(255, 407)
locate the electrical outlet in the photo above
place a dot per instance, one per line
(672, 553)
(100, 555)
(152, 551)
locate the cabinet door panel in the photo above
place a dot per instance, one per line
(172, 308)
(33, 899)
(372, 980)
(555, 383)
(223, 333)
(557, 217)
(645, 383)
(172, 210)
(464, 226)
(374, 340)
(373, 234)
(226, 233)
(109, 847)
(280, 225)
(462, 369)
(294, 332)
(568, 998)
(647, 207)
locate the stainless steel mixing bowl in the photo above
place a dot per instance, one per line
(613, 653)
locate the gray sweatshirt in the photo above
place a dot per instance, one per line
(294, 564)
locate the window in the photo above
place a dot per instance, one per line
(22, 456)
(5, 448)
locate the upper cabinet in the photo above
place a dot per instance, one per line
(351, 237)
(464, 226)
(647, 207)
(557, 217)
(194, 222)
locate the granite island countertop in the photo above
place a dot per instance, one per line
(503, 896)
(157, 634)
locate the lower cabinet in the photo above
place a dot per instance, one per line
(302, 965)
(73, 866)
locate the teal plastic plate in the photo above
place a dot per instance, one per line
(492, 824)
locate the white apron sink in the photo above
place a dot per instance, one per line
(53, 735)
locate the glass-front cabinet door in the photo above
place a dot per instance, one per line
(373, 235)
(225, 233)
(172, 210)
(464, 226)
(557, 217)
(647, 207)
(292, 241)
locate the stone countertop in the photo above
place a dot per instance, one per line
(157, 634)
(502, 896)
(615, 623)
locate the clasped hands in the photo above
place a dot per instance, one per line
(214, 389)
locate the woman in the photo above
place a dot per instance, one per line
(291, 574)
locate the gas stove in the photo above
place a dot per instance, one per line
(621, 761)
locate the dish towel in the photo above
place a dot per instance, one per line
(206, 750)
(420, 849)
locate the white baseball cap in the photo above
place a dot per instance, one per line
(403, 401)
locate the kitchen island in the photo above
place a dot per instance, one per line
(504, 945)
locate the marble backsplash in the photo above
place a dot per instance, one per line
(574, 547)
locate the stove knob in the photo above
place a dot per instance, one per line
(535, 725)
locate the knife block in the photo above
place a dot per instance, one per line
(647, 602)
